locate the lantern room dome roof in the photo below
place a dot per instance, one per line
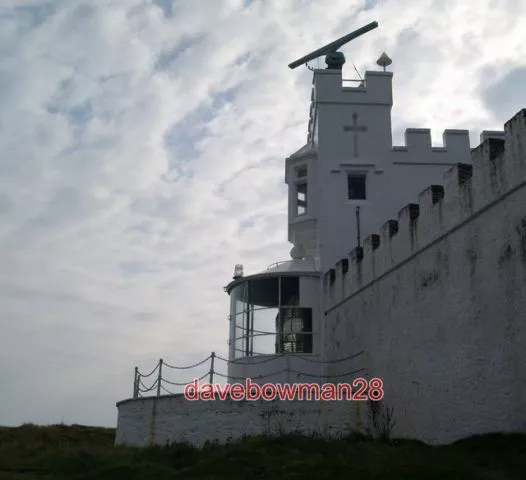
(294, 265)
(299, 267)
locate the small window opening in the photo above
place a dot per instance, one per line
(301, 172)
(301, 199)
(356, 187)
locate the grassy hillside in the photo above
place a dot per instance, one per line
(87, 453)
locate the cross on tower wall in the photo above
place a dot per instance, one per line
(356, 129)
(350, 134)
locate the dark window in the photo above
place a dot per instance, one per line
(264, 293)
(290, 291)
(356, 187)
(302, 172)
(301, 201)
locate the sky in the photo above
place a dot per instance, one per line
(142, 150)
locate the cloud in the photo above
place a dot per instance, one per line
(143, 147)
(504, 96)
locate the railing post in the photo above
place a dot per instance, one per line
(136, 383)
(212, 358)
(160, 377)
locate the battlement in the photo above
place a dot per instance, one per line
(418, 146)
(375, 89)
(498, 171)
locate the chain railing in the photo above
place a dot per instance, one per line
(159, 384)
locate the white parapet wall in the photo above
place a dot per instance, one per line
(498, 175)
(437, 299)
(174, 419)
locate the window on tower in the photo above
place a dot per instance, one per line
(356, 186)
(301, 198)
(301, 172)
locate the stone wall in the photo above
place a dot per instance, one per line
(263, 369)
(437, 299)
(171, 418)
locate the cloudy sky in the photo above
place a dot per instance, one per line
(142, 147)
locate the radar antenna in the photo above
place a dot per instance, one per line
(333, 58)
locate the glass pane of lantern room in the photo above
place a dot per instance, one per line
(295, 330)
(241, 325)
(239, 347)
(290, 291)
(264, 293)
(263, 304)
(237, 298)
(265, 324)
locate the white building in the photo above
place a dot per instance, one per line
(408, 264)
(343, 185)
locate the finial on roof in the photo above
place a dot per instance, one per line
(384, 60)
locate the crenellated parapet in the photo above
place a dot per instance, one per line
(418, 147)
(498, 170)
(330, 89)
(374, 89)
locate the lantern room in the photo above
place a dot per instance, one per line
(275, 312)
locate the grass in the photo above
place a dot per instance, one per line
(87, 453)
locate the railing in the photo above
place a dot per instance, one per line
(159, 386)
(277, 264)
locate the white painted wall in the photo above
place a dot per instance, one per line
(395, 175)
(440, 307)
(169, 419)
(269, 368)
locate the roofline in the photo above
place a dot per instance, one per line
(147, 399)
(312, 152)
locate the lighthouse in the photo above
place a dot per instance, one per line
(342, 185)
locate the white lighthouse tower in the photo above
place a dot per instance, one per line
(343, 184)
